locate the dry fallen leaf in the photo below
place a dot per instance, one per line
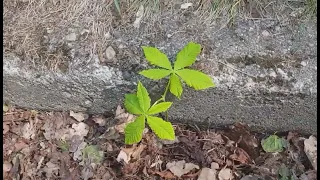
(100, 120)
(28, 130)
(207, 174)
(169, 142)
(51, 169)
(136, 153)
(6, 128)
(310, 148)
(87, 173)
(122, 156)
(240, 134)
(80, 129)
(214, 165)
(20, 145)
(124, 119)
(126, 154)
(225, 174)
(78, 154)
(240, 155)
(7, 166)
(79, 116)
(165, 174)
(179, 168)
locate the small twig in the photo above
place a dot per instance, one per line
(237, 69)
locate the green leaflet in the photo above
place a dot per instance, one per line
(134, 130)
(143, 97)
(175, 85)
(158, 108)
(155, 74)
(161, 128)
(156, 57)
(273, 144)
(187, 56)
(196, 79)
(131, 103)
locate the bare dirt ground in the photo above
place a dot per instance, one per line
(68, 145)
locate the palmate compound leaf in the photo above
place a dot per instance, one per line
(131, 103)
(143, 97)
(155, 74)
(163, 129)
(195, 79)
(175, 86)
(156, 57)
(158, 108)
(187, 56)
(133, 131)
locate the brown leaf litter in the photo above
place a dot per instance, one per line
(69, 145)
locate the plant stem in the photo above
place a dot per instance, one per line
(163, 98)
(165, 92)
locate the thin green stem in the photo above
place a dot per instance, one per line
(165, 92)
(163, 96)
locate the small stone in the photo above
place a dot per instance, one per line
(85, 31)
(107, 35)
(49, 30)
(185, 5)
(273, 74)
(265, 33)
(277, 28)
(87, 102)
(282, 73)
(110, 53)
(71, 37)
(121, 46)
(169, 35)
(303, 63)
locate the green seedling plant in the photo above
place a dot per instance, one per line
(140, 103)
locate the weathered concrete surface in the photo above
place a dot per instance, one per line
(266, 76)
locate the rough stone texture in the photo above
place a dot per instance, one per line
(267, 81)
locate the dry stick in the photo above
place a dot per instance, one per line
(237, 69)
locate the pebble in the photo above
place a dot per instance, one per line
(282, 73)
(121, 46)
(273, 74)
(71, 37)
(107, 35)
(110, 53)
(303, 63)
(265, 33)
